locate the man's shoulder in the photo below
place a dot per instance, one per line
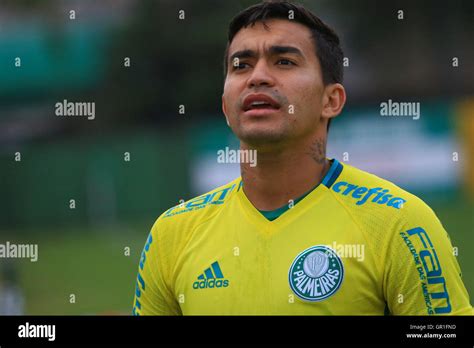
(369, 196)
(200, 208)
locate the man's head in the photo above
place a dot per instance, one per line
(283, 55)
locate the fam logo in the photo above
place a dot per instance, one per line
(316, 273)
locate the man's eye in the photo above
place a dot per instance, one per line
(285, 62)
(240, 66)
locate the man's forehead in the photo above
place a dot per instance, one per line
(273, 33)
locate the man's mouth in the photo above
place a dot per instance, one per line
(259, 101)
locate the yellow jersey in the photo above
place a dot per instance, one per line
(355, 245)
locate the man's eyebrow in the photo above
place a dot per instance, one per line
(243, 54)
(274, 50)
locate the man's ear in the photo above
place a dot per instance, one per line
(334, 99)
(224, 110)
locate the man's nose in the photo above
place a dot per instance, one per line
(261, 76)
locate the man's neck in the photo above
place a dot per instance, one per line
(282, 176)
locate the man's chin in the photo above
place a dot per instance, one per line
(262, 138)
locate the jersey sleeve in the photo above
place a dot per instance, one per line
(152, 291)
(422, 275)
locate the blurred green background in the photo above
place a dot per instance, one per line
(92, 251)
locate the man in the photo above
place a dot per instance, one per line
(297, 233)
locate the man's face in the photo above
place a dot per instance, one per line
(279, 62)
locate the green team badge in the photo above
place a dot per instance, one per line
(316, 273)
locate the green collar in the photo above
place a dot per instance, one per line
(273, 214)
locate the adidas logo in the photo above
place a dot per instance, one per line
(211, 278)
